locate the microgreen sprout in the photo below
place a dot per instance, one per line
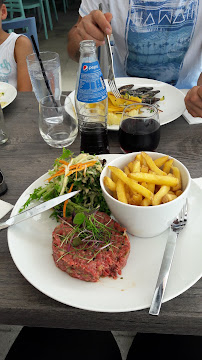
(87, 233)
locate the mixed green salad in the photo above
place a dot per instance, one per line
(69, 174)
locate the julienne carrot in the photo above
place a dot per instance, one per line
(58, 173)
(73, 168)
(63, 162)
(66, 201)
(80, 166)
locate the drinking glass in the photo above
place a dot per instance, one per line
(139, 128)
(51, 64)
(58, 123)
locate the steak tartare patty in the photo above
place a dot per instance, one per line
(91, 260)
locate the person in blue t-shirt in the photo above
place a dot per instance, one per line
(153, 39)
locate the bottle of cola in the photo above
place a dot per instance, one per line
(91, 101)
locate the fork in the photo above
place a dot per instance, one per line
(111, 77)
(176, 227)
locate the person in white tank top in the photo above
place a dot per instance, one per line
(13, 51)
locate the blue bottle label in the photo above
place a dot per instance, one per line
(91, 88)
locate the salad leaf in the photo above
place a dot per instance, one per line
(79, 219)
(78, 173)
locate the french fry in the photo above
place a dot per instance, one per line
(121, 193)
(108, 182)
(139, 157)
(144, 169)
(167, 166)
(126, 170)
(168, 197)
(160, 194)
(128, 194)
(136, 166)
(130, 166)
(114, 178)
(178, 192)
(146, 202)
(136, 199)
(176, 173)
(134, 186)
(154, 179)
(161, 161)
(151, 187)
(144, 183)
(151, 164)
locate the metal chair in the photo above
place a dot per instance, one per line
(65, 5)
(19, 7)
(47, 7)
(54, 9)
(29, 24)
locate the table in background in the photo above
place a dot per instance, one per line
(23, 159)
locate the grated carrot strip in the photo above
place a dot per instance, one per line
(66, 201)
(58, 173)
(72, 168)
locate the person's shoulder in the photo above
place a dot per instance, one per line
(22, 41)
(23, 47)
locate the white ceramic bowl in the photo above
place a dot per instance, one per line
(145, 221)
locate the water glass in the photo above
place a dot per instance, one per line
(51, 64)
(139, 128)
(58, 123)
(3, 130)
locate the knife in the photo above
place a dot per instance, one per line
(35, 210)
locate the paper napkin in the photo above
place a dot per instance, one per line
(188, 117)
(4, 208)
(198, 182)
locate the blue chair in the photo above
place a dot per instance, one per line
(29, 24)
(18, 8)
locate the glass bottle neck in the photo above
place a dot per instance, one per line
(87, 48)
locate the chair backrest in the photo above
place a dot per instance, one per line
(15, 6)
(29, 24)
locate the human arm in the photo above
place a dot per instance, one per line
(23, 47)
(193, 99)
(90, 27)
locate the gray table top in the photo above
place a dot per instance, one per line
(20, 302)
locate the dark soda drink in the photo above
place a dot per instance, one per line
(94, 138)
(139, 134)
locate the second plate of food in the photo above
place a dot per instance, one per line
(171, 105)
(7, 94)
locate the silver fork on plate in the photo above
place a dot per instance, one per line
(111, 77)
(176, 227)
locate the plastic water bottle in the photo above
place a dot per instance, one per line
(91, 101)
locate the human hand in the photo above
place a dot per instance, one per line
(193, 101)
(95, 26)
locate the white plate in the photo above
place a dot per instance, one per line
(30, 247)
(10, 93)
(172, 107)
